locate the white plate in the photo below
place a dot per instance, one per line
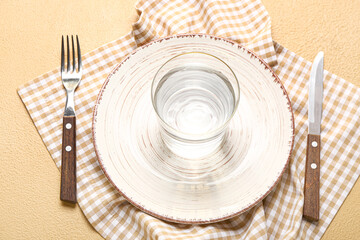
(234, 179)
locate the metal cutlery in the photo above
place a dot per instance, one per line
(70, 76)
(312, 167)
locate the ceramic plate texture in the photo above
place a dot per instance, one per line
(236, 177)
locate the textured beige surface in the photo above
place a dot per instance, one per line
(29, 199)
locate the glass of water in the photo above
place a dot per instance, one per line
(194, 95)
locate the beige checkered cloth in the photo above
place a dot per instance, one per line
(279, 216)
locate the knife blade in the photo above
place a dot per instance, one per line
(312, 167)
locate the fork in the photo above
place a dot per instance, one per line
(70, 77)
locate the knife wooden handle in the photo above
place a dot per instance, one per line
(68, 160)
(312, 179)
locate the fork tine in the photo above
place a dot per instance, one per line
(68, 54)
(73, 53)
(62, 54)
(79, 54)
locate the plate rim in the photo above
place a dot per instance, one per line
(186, 35)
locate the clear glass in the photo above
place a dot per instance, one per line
(195, 95)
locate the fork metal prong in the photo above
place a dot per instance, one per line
(79, 54)
(73, 53)
(68, 54)
(62, 54)
(70, 76)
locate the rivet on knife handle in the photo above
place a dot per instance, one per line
(68, 161)
(312, 179)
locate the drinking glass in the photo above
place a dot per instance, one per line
(195, 95)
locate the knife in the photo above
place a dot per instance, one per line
(312, 167)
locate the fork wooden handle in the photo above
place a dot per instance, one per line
(312, 179)
(68, 160)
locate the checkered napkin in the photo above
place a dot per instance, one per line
(279, 215)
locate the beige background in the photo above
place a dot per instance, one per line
(30, 45)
